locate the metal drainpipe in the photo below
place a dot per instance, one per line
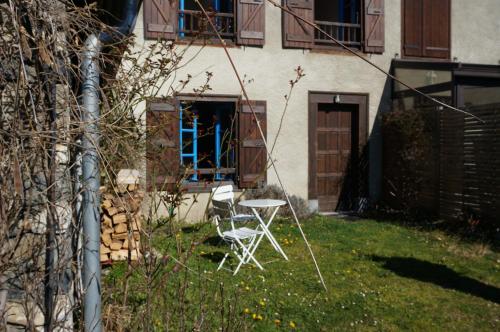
(91, 182)
(90, 166)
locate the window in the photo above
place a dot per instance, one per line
(355, 23)
(241, 21)
(192, 22)
(205, 141)
(340, 19)
(426, 28)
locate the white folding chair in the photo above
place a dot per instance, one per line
(225, 193)
(241, 239)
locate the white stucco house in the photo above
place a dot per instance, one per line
(329, 145)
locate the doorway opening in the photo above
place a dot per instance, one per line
(337, 137)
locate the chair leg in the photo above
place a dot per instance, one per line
(247, 252)
(239, 264)
(223, 260)
(241, 258)
(252, 247)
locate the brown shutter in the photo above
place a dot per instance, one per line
(296, 33)
(374, 26)
(252, 157)
(436, 32)
(412, 27)
(160, 19)
(162, 146)
(251, 22)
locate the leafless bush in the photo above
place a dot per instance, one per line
(41, 127)
(41, 43)
(409, 157)
(275, 192)
(38, 126)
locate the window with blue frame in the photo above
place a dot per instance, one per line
(207, 140)
(192, 22)
(339, 18)
(193, 139)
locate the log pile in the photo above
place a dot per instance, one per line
(121, 220)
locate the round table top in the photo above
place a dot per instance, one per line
(262, 203)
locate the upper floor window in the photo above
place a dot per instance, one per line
(193, 23)
(340, 19)
(241, 21)
(426, 28)
(355, 23)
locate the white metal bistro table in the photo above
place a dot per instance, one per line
(275, 204)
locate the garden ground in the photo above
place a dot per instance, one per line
(380, 277)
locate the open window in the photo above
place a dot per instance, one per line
(192, 22)
(207, 140)
(200, 141)
(356, 23)
(240, 21)
(340, 19)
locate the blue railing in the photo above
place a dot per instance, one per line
(194, 154)
(193, 23)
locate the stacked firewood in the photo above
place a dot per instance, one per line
(121, 220)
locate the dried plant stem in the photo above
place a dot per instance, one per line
(261, 132)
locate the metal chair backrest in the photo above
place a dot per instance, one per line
(222, 212)
(225, 194)
(223, 204)
(222, 208)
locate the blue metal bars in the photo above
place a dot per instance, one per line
(354, 9)
(342, 4)
(218, 146)
(211, 154)
(181, 18)
(194, 154)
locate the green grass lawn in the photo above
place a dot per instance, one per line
(380, 277)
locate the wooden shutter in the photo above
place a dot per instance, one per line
(296, 33)
(162, 145)
(412, 27)
(436, 29)
(251, 22)
(252, 156)
(426, 28)
(160, 19)
(374, 26)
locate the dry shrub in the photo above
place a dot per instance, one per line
(409, 163)
(275, 192)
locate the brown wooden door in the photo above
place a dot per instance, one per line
(336, 156)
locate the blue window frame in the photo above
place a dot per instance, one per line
(206, 138)
(190, 25)
(339, 18)
(193, 131)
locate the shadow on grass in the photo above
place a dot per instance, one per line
(214, 241)
(190, 229)
(438, 274)
(484, 233)
(215, 256)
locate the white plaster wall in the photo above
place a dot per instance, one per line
(270, 68)
(475, 31)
